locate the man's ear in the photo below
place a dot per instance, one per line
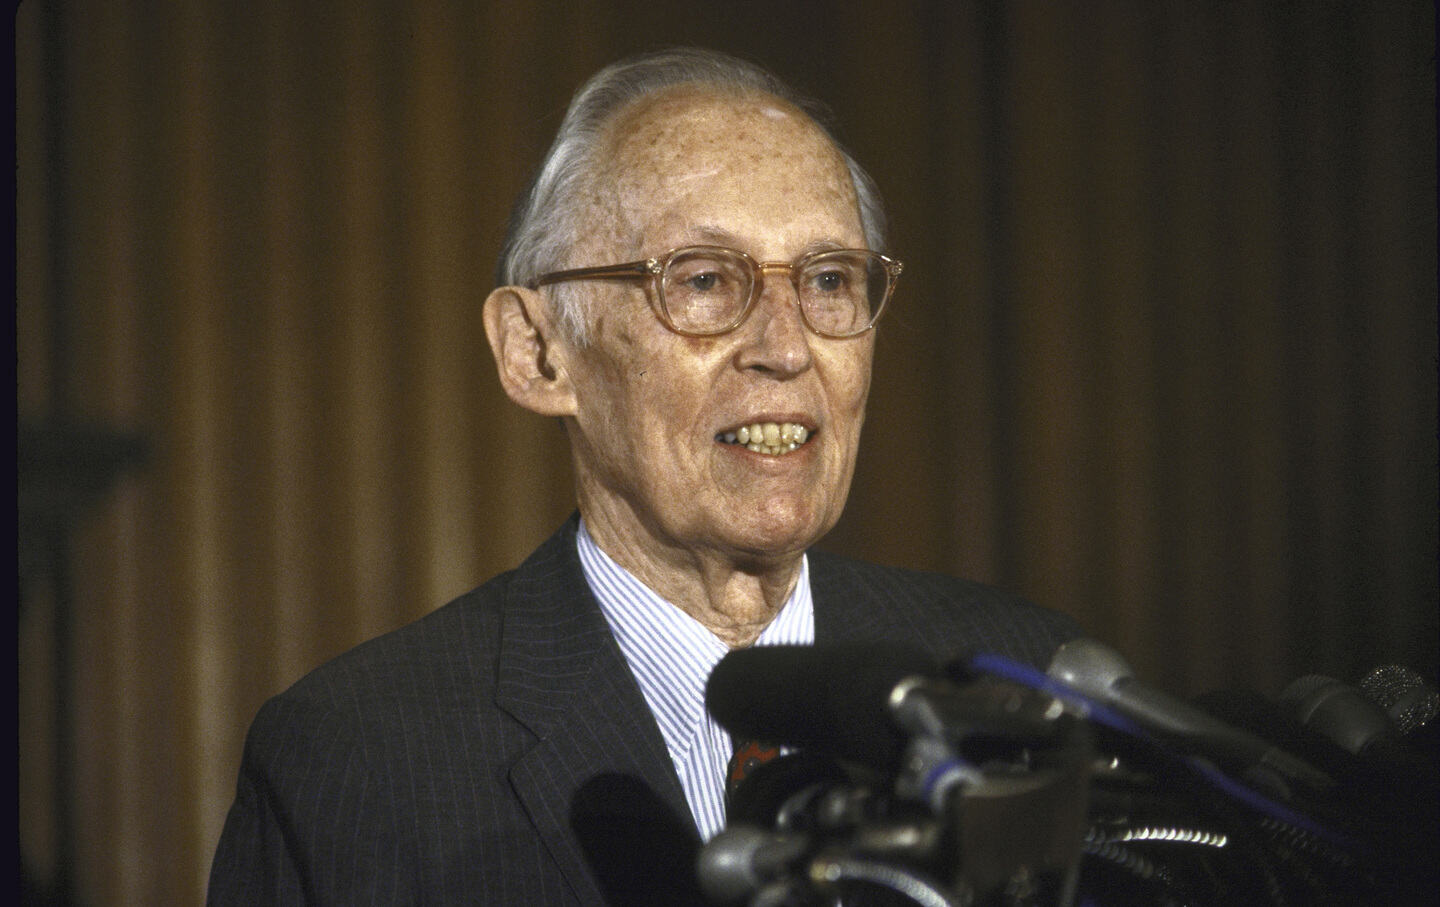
(529, 354)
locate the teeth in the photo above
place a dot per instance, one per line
(767, 437)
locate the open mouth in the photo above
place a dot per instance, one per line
(773, 438)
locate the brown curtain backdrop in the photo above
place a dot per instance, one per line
(1163, 358)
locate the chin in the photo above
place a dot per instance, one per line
(779, 534)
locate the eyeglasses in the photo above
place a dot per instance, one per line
(702, 291)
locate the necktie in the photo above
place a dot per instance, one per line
(749, 754)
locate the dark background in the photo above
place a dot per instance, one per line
(1164, 355)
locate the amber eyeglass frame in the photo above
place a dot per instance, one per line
(654, 269)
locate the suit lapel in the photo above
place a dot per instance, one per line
(598, 783)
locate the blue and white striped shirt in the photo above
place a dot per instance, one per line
(671, 655)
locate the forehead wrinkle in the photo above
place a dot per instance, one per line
(696, 175)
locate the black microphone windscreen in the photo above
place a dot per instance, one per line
(831, 698)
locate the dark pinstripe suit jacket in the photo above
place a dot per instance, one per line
(499, 751)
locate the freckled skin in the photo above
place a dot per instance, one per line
(714, 528)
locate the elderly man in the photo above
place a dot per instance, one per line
(691, 286)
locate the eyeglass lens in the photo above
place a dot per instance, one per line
(706, 290)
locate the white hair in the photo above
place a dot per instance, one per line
(547, 221)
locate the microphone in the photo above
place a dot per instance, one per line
(795, 814)
(1411, 703)
(864, 702)
(829, 698)
(1266, 717)
(745, 865)
(1404, 695)
(1099, 672)
(784, 794)
(1340, 712)
(743, 859)
(1393, 792)
(1388, 766)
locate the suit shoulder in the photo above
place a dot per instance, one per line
(451, 648)
(354, 758)
(438, 666)
(947, 614)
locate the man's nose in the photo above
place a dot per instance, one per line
(778, 340)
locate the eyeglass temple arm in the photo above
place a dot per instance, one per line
(646, 268)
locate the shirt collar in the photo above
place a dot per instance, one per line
(670, 653)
